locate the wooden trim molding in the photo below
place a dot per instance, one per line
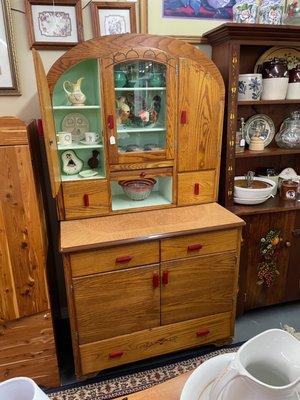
(143, 16)
(191, 39)
(98, 5)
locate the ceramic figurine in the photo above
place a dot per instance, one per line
(74, 93)
(123, 111)
(72, 165)
(93, 162)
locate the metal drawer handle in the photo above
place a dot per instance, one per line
(193, 247)
(202, 332)
(116, 354)
(123, 259)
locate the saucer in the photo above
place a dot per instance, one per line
(88, 173)
(198, 385)
(88, 143)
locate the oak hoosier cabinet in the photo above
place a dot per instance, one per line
(151, 261)
(26, 333)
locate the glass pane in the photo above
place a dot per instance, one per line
(140, 88)
(78, 122)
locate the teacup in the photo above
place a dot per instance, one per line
(64, 138)
(91, 137)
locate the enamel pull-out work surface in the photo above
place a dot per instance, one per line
(92, 233)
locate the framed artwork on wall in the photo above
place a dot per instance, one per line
(113, 18)
(54, 24)
(9, 83)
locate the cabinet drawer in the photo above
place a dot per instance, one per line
(196, 187)
(199, 244)
(85, 199)
(114, 258)
(144, 344)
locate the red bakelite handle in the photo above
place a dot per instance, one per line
(123, 259)
(110, 122)
(196, 189)
(165, 277)
(142, 174)
(86, 200)
(202, 332)
(183, 117)
(155, 280)
(116, 354)
(196, 246)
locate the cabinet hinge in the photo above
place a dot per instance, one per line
(176, 70)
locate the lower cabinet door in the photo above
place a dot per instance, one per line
(116, 303)
(198, 286)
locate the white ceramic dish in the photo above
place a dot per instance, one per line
(198, 385)
(248, 193)
(250, 202)
(89, 143)
(275, 88)
(88, 173)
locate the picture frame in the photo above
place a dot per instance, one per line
(55, 25)
(9, 80)
(111, 18)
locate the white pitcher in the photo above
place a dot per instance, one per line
(21, 389)
(267, 367)
(74, 93)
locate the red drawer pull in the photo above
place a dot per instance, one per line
(123, 259)
(202, 332)
(193, 247)
(165, 277)
(155, 280)
(183, 117)
(116, 354)
(86, 200)
(110, 122)
(196, 189)
(142, 174)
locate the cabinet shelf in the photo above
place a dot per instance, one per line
(137, 130)
(76, 146)
(254, 103)
(126, 89)
(67, 178)
(267, 152)
(272, 205)
(76, 107)
(122, 202)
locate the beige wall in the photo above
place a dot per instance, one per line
(26, 106)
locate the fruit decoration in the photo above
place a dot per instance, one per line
(267, 269)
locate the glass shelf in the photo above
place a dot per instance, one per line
(148, 88)
(76, 146)
(76, 108)
(137, 130)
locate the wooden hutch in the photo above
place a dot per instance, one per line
(143, 277)
(235, 50)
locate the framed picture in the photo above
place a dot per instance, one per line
(9, 83)
(54, 24)
(113, 18)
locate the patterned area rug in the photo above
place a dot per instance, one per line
(136, 382)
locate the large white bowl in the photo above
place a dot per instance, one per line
(250, 202)
(248, 193)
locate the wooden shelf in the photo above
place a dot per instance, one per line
(76, 146)
(77, 177)
(272, 205)
(255, 103)
(267, 152)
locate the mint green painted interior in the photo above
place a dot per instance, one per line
(94, 117)
(160, 195)
(142, 139)
(89, 69)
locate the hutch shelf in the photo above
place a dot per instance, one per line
(151, 276)
(235, 50)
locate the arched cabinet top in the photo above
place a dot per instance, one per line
(121, 48)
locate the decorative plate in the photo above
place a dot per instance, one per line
(88, 173)
(77, 124)
(291, 54)
(262, 126)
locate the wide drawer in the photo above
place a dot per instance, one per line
(199, 244)
(114, 258)
(144, 344)
(85, 199)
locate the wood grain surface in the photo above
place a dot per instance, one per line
(205, 193)
(12, 132)
(119, 229)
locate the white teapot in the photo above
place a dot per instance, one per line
(267, 367)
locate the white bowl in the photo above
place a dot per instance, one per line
(248, 193)
(293, 92)
(274, 88)
(250, 202)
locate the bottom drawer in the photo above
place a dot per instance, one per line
(144, 344)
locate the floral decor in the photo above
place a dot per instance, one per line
(267, 269)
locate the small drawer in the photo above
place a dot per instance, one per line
(149, 343)
(199, 244)
(84, 199)
(114, 258)
(196, 187)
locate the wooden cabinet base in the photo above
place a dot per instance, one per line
(28, 349)
(148, 343)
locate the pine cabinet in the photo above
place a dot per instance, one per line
(145, 275)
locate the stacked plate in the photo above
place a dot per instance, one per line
(256, 194)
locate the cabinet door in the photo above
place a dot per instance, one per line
(48, 124)
(140, 109)
(116, 303)
(198, 286)
(200, 110)
(252, 293)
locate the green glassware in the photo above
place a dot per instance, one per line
(120, 79)
(157, 79)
